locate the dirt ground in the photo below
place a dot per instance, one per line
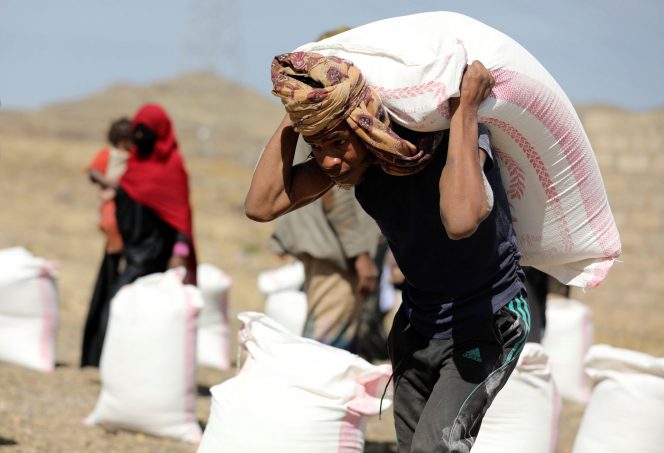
(52, 213)
(49, 208)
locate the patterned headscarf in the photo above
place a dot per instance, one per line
(319, 93)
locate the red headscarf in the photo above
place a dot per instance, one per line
(160, 181)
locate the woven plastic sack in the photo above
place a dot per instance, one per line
(626, 408)
(559, 206)
(567, 339)
(525, 415)
(214, 331)
(285, 278)
(293, 395)
(288, 308)
(28, 310)
(148, 365)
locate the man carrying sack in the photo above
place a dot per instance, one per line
(440, 203)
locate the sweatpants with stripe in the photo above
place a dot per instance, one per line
(443, 388)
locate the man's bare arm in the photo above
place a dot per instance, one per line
(463, 198)
(278, 186)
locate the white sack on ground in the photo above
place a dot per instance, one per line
(293, 395)
(214, 331)
(28, 309)
(525, 416)
(626, 408)
(560, 211)
(288, 308)
(148, 365)
(567, 338)
(285, 278)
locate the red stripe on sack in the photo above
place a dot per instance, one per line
(190, 363)
(225, 345)
(517, 185)
(555, 418)
(542, 174)
(411, 91)
(349, 433)
(600, 271)
(563, 124)
(438, 88)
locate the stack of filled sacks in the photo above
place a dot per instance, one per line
(28, 309)
(560, 211)
(567, 339)
(626, 408)
(293, 395)
(525, 416)
(148, 365)
(285, 302)
(214, 330)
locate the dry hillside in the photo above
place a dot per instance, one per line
(49, 207)
(237, 120)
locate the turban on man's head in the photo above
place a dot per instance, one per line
(319, 93)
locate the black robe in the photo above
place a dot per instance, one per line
(148, 245)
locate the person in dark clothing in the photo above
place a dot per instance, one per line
(440, 203)
(105, 170)
(537, 286)
(153, 215)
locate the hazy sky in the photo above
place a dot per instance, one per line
(609, 51)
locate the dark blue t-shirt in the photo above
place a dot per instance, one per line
(450, 284)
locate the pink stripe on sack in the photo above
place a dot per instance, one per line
(555, 418)
(517, 185)
(600, 271)
(44, 282)
(412, 91)
(438, 88)
(190, 363)
(225, 345)
(563, 124)
(349, 432)
(542, 174)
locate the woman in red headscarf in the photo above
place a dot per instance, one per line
(153, 212)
